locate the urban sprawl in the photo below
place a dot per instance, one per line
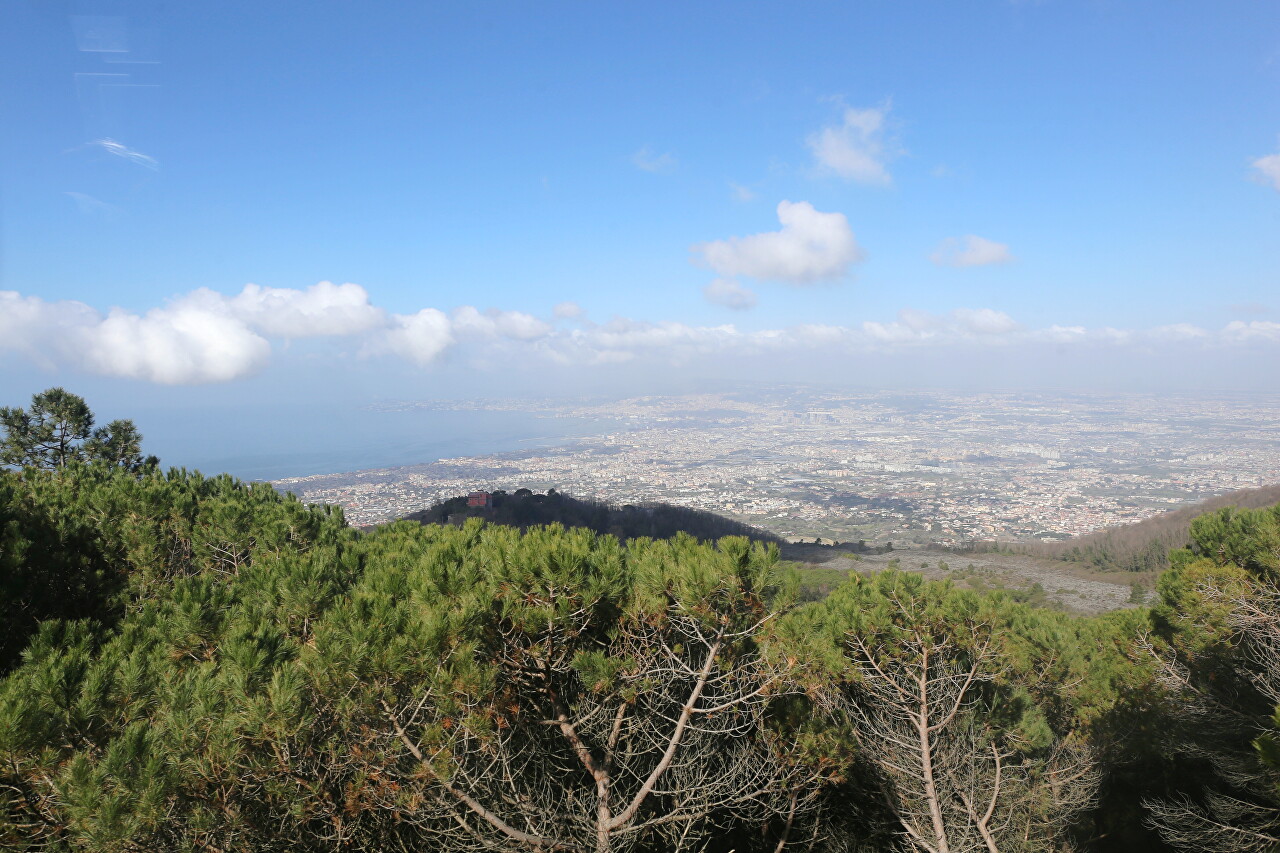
(881, 467)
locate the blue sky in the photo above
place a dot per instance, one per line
(1072, 188)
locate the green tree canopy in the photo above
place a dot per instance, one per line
(57, 430)
(1217, 640)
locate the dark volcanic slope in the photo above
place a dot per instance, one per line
(524, 508)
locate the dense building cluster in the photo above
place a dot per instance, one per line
(877, 466)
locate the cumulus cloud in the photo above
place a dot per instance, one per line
(658, 164)
(1179, 332)
(124, 152)
(914, 326)
(623, 339)
(44, 332)
(893, 333)
(568, 310)
(919, 321)
(419, 338)
(970, 251)
(186, 342)
(515, 325)
(855, 149)
(204, 336)
(1062, 334)
(817, 334)
(179, 345)
(1268, 169)
(322, 309)
(1258, 330)
(811, 246)
(984, 321)
(730, 294)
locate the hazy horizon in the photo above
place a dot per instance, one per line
(323, 437)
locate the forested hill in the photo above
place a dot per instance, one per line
(1145, 545)
(524, 509)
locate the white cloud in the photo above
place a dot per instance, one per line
(984, 321)
(200, 337)
(126, 153)
(322, 309)
(1178, 332)
(568, 310)
(811, 247)
(970, 251)
(1112, 336)
(1269, 169)
(818, 334)
(519, 326)
(741, 193)
(622, 339)
(515, 325)
(893, 333)
(419, 338)
(658, 164)
(730, 294)
(919, 321)
(204, 337)
(1062, 334)
(181, 344)
(914, 326)
(424, 337)
(44, 332)
(1258, 330)
(855, 149)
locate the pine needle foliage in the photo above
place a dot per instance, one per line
(1217, 641)
(258, 676)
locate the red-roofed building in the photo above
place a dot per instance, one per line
(483, 500)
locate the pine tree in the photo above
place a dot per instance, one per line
(57, 430)
(1217, 639)
(939, 688)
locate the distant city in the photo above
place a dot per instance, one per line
(880, 467)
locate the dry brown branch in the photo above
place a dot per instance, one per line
(546, 762)
(1221, 717)
(953, 783)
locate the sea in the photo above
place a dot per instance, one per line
(272, 442)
